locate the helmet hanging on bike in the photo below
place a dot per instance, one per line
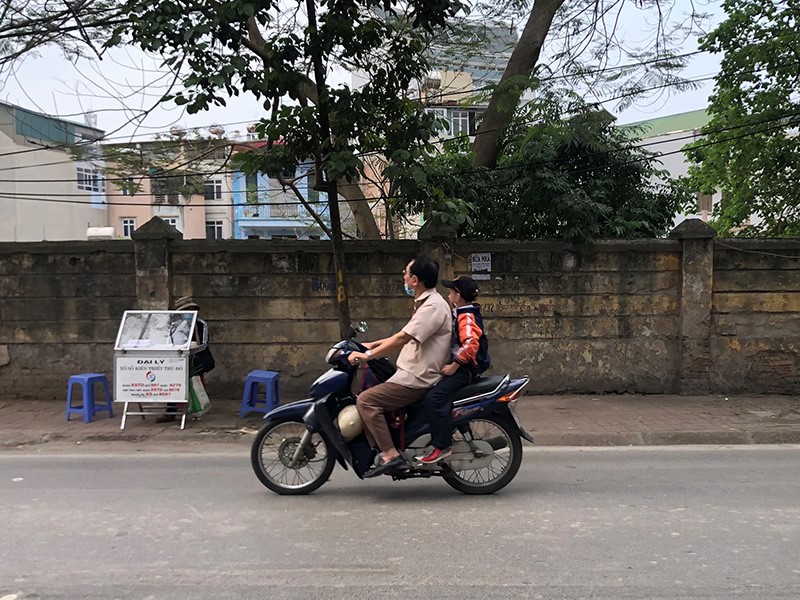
(349, 422)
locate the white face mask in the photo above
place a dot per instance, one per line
(409, 291)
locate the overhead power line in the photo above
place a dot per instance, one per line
(608, 165)
(230, 144)
(88, 143)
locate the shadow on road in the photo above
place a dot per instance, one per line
(402, 492)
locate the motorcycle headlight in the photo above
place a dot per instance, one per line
(332, 355)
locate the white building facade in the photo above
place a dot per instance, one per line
(51, 183)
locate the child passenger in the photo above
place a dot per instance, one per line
(469, 358)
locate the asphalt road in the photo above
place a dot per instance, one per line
(686, 522)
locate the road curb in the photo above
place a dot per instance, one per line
(214, 436)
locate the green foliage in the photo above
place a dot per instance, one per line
(750, 151)
(578, 179)
(229, 47)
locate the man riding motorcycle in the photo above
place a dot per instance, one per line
(425, 348)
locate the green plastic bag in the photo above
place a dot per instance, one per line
(199, 402)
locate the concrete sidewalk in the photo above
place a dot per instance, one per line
(576, 420)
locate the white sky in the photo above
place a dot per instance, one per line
(50, 84)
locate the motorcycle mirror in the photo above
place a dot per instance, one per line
(362, 326)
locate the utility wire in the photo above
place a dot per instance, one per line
(90, 142)
(174, 168)
(510, 183)
(227, 144)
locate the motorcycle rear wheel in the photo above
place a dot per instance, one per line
(273, 450)
(504, 466)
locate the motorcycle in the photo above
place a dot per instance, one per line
(297, 449)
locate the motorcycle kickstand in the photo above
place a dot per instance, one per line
(470, 440)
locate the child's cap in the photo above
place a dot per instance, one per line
(464, 285)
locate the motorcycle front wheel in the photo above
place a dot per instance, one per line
(505, 462)
(278, 465)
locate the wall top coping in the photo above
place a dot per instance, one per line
(68, 247)
(408, 246)
(288, 246)
(757, 243)
(412, 247)
(157, 229)
(647, 245)
(693, 229)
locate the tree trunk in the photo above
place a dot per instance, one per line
(354, 195)
(362, 213)
(342, 301)
(506, 96)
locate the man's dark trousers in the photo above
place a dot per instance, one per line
(439, 406)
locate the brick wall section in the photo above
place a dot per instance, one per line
(270, 306)
(755, 345)
(577, 319)
(614, 317)
(60, 306)
(602, 319)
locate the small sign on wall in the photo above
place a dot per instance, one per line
(481, 265)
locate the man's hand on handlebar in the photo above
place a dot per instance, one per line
(357, 357)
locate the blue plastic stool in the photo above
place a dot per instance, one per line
(87, 381)
(251, 402)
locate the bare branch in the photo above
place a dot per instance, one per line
(292, 186)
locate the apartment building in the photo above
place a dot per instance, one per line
(266, 208)
(51, 177)
(666, 136)
(467, 60)
(185, 182)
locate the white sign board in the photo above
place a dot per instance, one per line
(481, 265)
(145, 379)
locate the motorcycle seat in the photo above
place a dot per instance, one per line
(483, 385)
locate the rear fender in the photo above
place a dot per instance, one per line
(462, 414)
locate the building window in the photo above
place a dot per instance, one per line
(172, 221)
(90, 180)
(213, 189)
(442, 122)
(251, 188)
(127, 186)
(128, 227)
(311, 179)
(213, 230)
(459, 122)
(164, 187)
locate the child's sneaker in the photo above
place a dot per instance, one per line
(434, 456)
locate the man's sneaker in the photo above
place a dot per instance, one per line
(434, 456)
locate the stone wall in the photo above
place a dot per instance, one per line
(60, 307)
(683, 315)
(600, 319)
(755, 345)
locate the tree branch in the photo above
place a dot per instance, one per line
(292, 186)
